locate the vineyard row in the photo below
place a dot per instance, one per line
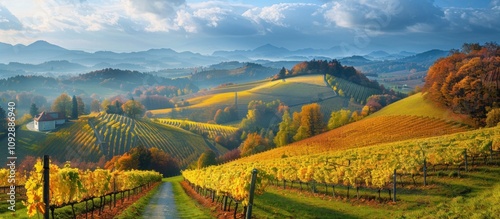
(372, 167)
(69, 186)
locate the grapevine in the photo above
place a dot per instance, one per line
(71, 185)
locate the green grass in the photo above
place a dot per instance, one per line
(26, 142)
(186, 206)
(64, 212)
(136, 209)
(21, 211)
(478, 191)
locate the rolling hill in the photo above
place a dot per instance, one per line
(91, 138)
(410, 118)
(246, 73)
(367, 132)
(206, 129)
(417, 105)
(294, 92)
(362, 156)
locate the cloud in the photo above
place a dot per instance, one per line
(277, 14)
(155, 15)
(383, 15)
(182, 23)
(211, 15)
(62, 15)
(160, 8)
(473, 20)
(8, 21)
(186, 21)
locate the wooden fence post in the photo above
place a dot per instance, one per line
(465, 158)
(46, 185)
(425, 172)
(394, 185)
(252, 189)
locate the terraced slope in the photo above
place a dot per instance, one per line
(210, 130)
(417, 105)
(111, 134)
(367, 132)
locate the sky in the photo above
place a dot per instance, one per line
(354, 26)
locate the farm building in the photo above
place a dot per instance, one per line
(46, 121)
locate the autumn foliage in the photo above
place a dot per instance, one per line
(467, 82)
(142, 158)
(333, 68)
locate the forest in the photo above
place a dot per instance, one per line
(467, 81)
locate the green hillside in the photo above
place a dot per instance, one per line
(107, 135)
(26, 143)
(356, 92)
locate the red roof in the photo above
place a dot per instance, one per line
(51, 116)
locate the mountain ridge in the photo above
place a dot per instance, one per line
(31, 57)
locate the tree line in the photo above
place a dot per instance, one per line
(332, 67)
(467, 82)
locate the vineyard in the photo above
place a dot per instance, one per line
(369, 131)
(70, 186)
(204, 129)
(74, 141)
(295, 91)
(371, 167)
(346, 88)
(111, 134)
(121, 133)
(417, 105)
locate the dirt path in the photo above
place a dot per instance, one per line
(162, 205)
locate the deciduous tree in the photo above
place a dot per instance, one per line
(286, 132)
(127, 162)
(163, 163)
(339, 118)
(311, 122)
(206, 159)
(467, 82)
(493, 117)
(143, 156)
(62, 104)
(95, 106)
(253, 144)
(133, 108)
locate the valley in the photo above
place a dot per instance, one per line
(327, 139)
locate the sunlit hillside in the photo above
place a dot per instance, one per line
(111, 134)
(210, 130)
(417, 105)
(369, 131)
(396, 122)
(294, 92)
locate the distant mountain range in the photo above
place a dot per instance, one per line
(45, 58)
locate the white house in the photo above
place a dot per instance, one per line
(48, 121)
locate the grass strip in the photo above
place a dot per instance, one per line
(186, 206)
